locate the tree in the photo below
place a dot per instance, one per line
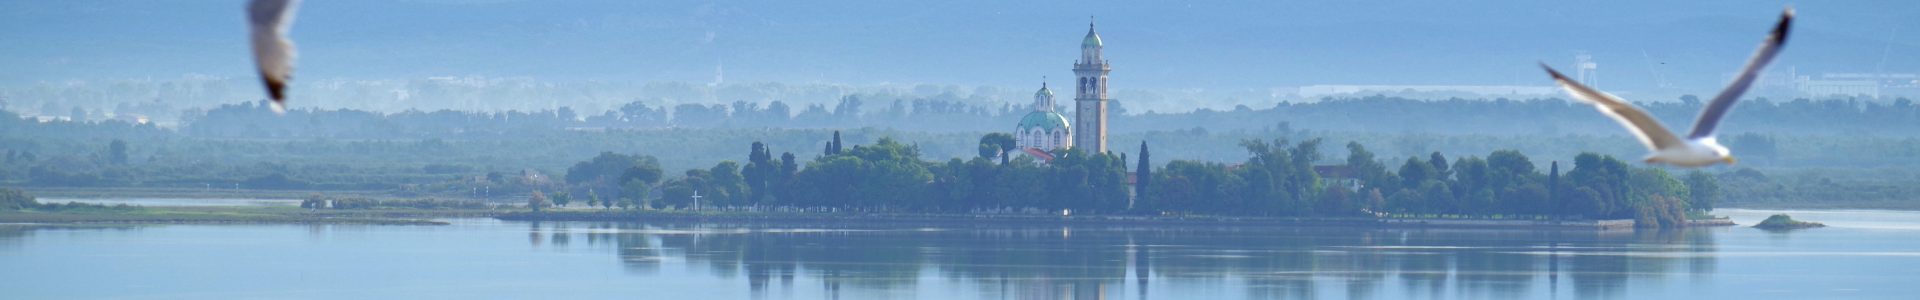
(1415, 172)
(1143, 173)
(1554, 204)
(759, 174)
(997, 144)
(1376, 202)
(538, 201)
(647, 173)
(1704, 189)
(783, 179)
(612, 169)
(562, 199)
(1440, 170)
(1601, 182)
(635, 190)
(730, 186)
(1474, 186)
(117, 152)
(885, 175)
(835, 147)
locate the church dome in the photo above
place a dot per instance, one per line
(1043, 92)
(1093, 39)
(1044, 120)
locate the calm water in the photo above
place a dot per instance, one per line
(1867, 254)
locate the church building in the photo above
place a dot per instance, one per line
(1045, 130)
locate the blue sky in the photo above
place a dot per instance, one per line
(1153, 44)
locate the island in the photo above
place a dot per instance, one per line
(1784, 222)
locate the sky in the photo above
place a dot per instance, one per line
(1172, 45)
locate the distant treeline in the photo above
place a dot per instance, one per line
(1280, 179)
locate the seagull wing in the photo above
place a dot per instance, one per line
(1643, 126)
(268, 20)
(1710, 117)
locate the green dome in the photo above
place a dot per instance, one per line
(1093, 40)
(1044, 92)
(1044, 120)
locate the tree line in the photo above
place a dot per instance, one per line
(1279, 178)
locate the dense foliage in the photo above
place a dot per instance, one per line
(1279, 178)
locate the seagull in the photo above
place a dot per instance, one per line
(1699, 149)
(268, 21)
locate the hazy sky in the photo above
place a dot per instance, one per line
(1153, 44)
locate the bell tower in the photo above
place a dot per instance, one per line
(1090, 96)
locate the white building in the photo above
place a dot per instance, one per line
(1043, 129)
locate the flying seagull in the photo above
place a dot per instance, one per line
(268, 21)
(1699, 148)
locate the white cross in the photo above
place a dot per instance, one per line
(696, 199)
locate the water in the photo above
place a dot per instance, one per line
(1864, 255)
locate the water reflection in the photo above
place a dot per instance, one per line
(1098, 262)
(13, 236)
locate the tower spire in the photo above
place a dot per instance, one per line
(1090, 126)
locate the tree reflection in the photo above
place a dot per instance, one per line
(15, 235)
(1095, 262)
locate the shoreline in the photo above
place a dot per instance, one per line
(914, 218)
(229, 215)
(167, 192)
(216, 193)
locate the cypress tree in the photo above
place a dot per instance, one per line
(1143, 173)
(1553, 190)
(836, 147)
